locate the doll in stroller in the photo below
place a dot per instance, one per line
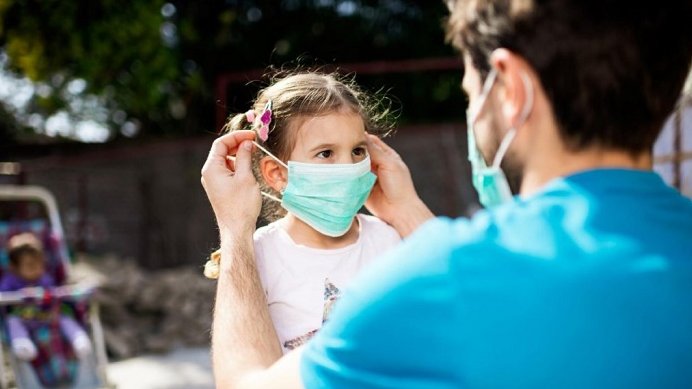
(51, 334)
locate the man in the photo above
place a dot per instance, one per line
(582, 281)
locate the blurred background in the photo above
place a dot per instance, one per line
(112, 106)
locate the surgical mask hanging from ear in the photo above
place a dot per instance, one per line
(325, 196)
(490, 181)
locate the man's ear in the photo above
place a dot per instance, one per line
(273, 174)
(515, 77)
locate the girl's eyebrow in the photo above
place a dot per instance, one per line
(362, 143)
(322, 146)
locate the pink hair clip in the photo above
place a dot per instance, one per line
(250, 115)
(261, 123)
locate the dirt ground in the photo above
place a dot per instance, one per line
(184, 368)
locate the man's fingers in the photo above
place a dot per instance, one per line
(228, 144)
(379, 143)
(225, 146)
(230, 163)
(379, 151)
(243, 159)
(379, 147)
(375, 149)
(374, 143)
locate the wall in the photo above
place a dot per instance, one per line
(145, 201)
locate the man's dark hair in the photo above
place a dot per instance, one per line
(612, 70)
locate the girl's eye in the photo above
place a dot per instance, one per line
(360, 151)
(325, 154)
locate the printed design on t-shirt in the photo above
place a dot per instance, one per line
(331, 294)
(299, 341)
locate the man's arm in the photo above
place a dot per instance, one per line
(245, 348)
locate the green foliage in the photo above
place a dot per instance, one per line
(9, 128)
(159, 64)
(115, 46)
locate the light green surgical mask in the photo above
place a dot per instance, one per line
(326, 196)
(490, 181)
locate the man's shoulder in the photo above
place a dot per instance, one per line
(398, 306)
(443, 237)
(442, 246)
(425, 254)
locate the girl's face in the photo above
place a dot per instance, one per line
(31, 267)
(337, 137)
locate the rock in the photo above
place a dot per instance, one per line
(119, 344)
(149, 312)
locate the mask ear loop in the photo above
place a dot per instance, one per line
(473, 116)
(526, 110)
(270, 196)
(280, 162)
(485, 91)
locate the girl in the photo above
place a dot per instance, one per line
(311, 129)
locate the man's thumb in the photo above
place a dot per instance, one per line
(243, 159)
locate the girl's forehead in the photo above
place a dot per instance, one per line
(333, 128)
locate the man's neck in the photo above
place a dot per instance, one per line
(563, 163)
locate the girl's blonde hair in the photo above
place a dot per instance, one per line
(301, 95)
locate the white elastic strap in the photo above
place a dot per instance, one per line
(270, 154)
(485, 91)
(504, 146)
(476, 109)
(270, 196)
(232, 158)
(526, 110)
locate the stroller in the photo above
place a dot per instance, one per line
(33, 209)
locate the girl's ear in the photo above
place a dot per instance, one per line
(273, 174)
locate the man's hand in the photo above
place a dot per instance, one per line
(230, 185)
(394, 198)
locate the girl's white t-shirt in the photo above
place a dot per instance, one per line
(302, 283)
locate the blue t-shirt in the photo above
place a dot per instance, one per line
(587, 284)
